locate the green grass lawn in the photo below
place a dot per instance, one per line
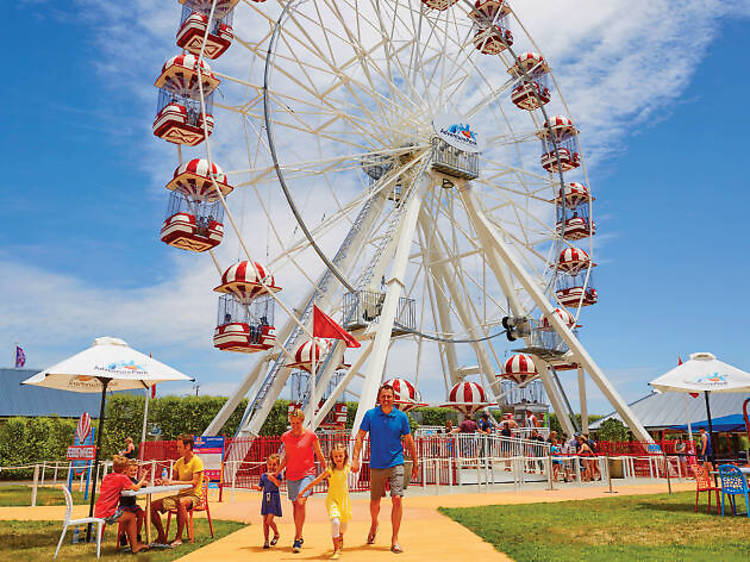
(21, 495)
(37, 540)
(655, 527)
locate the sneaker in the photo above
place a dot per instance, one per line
(266, 546)
(297, 546)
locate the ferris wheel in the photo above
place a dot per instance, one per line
(415, 172)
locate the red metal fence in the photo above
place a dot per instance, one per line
(440, 456)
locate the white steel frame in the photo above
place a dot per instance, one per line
(356, 80)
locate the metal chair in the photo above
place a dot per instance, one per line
(68, 522)
(704, 484)
(202, 506)
(733, 483)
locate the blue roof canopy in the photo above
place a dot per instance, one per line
(29, 401)
(733, 422)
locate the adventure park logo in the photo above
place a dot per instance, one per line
(711, 380)
(123, 367)
(456, 133)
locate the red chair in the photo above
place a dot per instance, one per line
(202, 506)
(704, 484)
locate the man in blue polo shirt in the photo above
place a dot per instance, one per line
(386, 425)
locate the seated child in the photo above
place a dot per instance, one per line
(128, 503)
(106, 506)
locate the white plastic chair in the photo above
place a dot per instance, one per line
(68, 522)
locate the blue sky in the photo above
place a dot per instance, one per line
(79, 248)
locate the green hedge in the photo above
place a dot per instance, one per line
(29, 440)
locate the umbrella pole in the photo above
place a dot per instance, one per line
(710, 433)
(105, 382)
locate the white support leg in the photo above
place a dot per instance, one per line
(320, 415)
(346, 258)
(441, 272)
(394, 287)
(554, 396)
(324, 376)
(582, 400)
(477, 216)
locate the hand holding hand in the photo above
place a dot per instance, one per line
(354, 466)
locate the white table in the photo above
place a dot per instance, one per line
(147, 491)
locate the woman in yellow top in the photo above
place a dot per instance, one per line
(337, 501)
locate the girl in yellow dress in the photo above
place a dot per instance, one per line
(337, 501)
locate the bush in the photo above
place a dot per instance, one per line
(612, 430)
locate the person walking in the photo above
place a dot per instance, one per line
(705, 452)
(270, 505)
(301, 447)
(338, 503)
(386, 426)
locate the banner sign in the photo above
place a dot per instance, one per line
(83, 444)
(211, 452)
(82, 453)
(84, 427)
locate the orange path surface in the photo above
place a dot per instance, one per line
(425, 533)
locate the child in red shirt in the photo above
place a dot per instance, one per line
(106, 507)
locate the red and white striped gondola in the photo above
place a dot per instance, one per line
(187, 231)
(532, 90)
(519, 369)
(574, 194)
(467, 397)
(529, 63)
(567, 318)
(439, 5)
(194, 179)
(559, 144)
(182, 73)
(573, 260)
(489, 10)
(303, 356)
(577, 296)
(336, 418)
(576, 228)
(175, 124)
(243, 280)
(221, 7)
(193, 29)
(243, 337)
(405, 395)
(493, 40)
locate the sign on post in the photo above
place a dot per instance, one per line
(81, 453)
(211, 452)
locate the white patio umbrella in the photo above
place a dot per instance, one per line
(110, 364)
(703, 373)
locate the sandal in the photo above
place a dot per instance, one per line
(371, 535)
(274, 540)
(396, 548)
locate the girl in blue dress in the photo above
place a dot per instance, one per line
(271, 503)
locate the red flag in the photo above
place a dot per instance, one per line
(325, 327)
(679, 361)
(153, 391)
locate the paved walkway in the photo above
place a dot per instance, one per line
(426, 534)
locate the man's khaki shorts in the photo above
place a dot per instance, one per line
(394, 475)
(170, 502)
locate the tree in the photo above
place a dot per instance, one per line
(612, 430)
